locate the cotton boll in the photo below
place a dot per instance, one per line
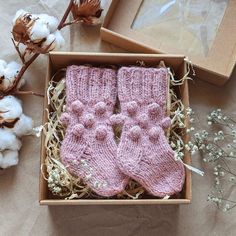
(51, 21)
(10, 107)
(13, 65)
(60, 41)
(8, 72)
(51, 39)
(18, 14)
(24, 126)
(8, 140)
(104, 3)
(39, 31)
(3, 65)
(56, 40)
(11, 70)
(8, 158)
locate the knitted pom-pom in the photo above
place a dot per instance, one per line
(100, 108)
(78, 130)
(132, 107)
(153, 109)
(143, 120)
(101, 133)
(135, 132)
(77, 107)
(154, 133)
(117, 119)
(65, 119)
(89, 120)
(166, 123)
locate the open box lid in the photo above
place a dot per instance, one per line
(213, 62)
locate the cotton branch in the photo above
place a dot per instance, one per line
(18, 51)
(13, 88)
(19, 76)
(85, 11)
(67, 12)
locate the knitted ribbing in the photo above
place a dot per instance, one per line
(144, 152)
(89, 150)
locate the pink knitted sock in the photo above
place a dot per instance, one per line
(144, 153)
(89, 150)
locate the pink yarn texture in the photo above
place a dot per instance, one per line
(144, 153)
(89, 150)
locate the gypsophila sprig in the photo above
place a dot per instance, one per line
(218, 148)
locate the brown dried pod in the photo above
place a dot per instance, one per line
(21, 28)
(1, 82)
(8, 123)
(86, 11)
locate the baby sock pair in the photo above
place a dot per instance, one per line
(89, 149)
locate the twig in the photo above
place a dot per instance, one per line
(71, 23)
(21, 72)
(19, 92)
(22, 57)
(12, 89)
(67, 12)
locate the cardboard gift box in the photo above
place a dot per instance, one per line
(206, 34)
(59, 60)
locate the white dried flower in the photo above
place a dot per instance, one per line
(221, 173)
(189, 111)
(226, 208)
(231, 178)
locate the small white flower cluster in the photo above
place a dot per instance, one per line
(221, 203)
(219, 136)
(59, 178)
(193, 148)
(13, 125)
(44, 29)
(56, 179)
(217, 116)
(8, 73)
(214, 199)
(217, 147)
